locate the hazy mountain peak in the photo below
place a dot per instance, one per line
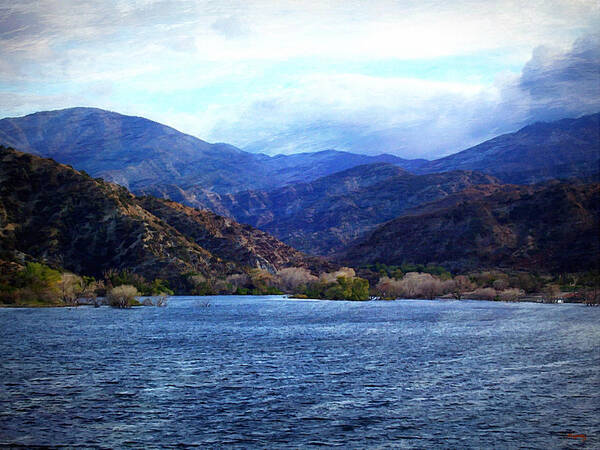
(543, 150)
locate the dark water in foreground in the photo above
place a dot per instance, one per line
(269, 372)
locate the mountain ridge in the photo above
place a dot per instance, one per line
(564, 148)
(289, 196)
(54, 214)
(139, 153)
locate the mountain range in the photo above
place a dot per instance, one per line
(138, 153)
(565, 148)
(332, 203)
(141, 154)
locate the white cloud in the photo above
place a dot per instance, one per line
(388, 29)
(267, 30)
(223, 59)
(413, 117)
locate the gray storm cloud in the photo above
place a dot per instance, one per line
(564, 84)
(552, 85)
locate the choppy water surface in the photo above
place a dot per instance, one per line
(268, 372)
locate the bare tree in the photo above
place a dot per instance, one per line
(238, 280)
(460, 285)
(123, 296)
(484, 294)
(331, 277)
(431, 288)
(511, 295)
(292, 278)
(413, 285)
(261, 279)
(591, 296)
(417, 284)
(550, 293)
(71, 287)
(389, 288)
(159, 300)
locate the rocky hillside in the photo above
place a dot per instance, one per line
(55, 214)
(139, 153)
(323, 216)
(230, 240)
(563, 149)
(553, 227)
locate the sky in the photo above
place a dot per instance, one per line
(416, 79)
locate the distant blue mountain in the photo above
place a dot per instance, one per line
(139, 153)
(563, 149)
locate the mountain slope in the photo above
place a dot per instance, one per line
(562, 149)
(131, 151)
(551, 227)
(138, 153)
(55, 214)
(229, 240)
(325, 215)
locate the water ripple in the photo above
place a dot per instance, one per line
(270, 372)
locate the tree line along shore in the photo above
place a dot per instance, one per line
(37, 285)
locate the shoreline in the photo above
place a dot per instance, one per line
(527, 299)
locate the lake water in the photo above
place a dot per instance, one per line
(272, 372)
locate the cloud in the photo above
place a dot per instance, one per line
(560, 84)
(22, 104)
(415, 117)
(410, 117)
(230, 27)
(242, 30)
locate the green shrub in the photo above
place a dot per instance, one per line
(126, 277)
(35, 284)
(344, 288)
